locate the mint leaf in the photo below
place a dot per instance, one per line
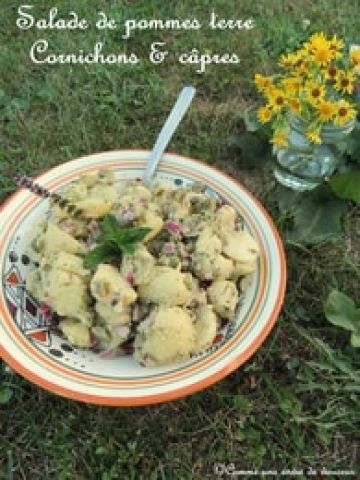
(115, 241)
(125, 236)
(102, 253)
(128, 248)
(131, 235)
(113, 233)
(341, 311)
(347, 185)
(109, 225)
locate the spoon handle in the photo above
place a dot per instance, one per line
(182, 104)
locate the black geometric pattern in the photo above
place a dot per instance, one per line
(25, 309)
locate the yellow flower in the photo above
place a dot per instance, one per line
(280, 139)
(316, 40)
(262, 82)
(315, 92)
(291, 85)
(345, 82)
(344, 112)
(289, 60)
(336, 45)
(264, 114)
(269, 90)
(313, 134)
(277, 99)
(302, 69)
(326, 110)
(355, 58)
(295, 105)
(320, 49)
(330, 72)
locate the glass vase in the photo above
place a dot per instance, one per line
(304, 165)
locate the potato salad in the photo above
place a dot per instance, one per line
(152, 272)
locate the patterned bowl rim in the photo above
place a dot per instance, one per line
(200, 384)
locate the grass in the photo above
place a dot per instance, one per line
(295, 404)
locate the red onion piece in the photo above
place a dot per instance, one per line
(173, 227)
(129, 277)
(168, 248)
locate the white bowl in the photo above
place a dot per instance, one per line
(29, 346)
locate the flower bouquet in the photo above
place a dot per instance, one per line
(310, 106)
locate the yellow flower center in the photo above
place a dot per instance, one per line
(326, 109)
(344, 82)
(315, 92)
(279, 100)
(332, 71)
(322, 55)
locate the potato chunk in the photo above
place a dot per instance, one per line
(224, 296)
(153, 221)
(56, 240)
(139, 264)
(166, 336)
(108, 286)
(166, 287)
(240, 246)
(225, 219)
(64, 286)
(205, 328)
(99, 201)
(208, 242)
(76, 332)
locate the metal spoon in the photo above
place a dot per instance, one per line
(182, 104)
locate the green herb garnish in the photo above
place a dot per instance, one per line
(114, 241)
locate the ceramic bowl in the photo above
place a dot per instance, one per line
(30, 346)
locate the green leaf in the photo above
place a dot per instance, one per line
(5, 395)
(132, 235)
(109, 225)
(115, 241)
(340, 310)
(317, 218)
(287, 199)
(128, 248)
(355, 340)
(102, 253)
(113, 233)
(347, 185)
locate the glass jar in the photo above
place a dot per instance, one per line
(304, 165)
